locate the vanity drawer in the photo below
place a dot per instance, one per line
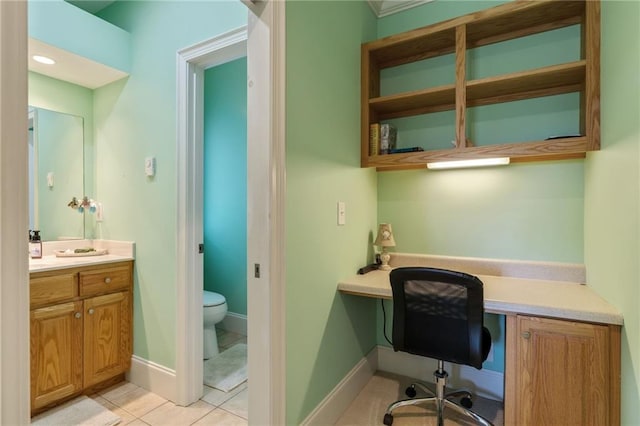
(101, 281)
(53, 289)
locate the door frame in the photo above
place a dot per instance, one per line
(265, 43)
(14, 263)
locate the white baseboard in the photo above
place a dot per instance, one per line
(338, 400)
(236, 323)
(485, 383)
(153, 377)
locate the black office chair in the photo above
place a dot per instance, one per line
(439, 314)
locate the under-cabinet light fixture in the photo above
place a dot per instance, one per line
(43, 59)
(460, 164)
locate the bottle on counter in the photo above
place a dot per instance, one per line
(35, 245)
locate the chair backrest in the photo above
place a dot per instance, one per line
(439, 314)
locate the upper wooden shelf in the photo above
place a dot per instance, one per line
(456, 36)
(547, 81)
(501, 23)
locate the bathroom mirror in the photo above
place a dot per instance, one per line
(56, 174)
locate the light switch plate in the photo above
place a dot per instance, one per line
(342, 213)
(150, 166)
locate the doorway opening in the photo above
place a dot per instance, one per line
(265, 44)
(225, 235)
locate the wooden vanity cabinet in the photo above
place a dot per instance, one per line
(81, 330)
(562, 372)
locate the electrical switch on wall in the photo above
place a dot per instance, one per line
(342, 213)
(150, 166)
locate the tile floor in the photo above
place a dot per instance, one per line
(384, 388)
(138, 407)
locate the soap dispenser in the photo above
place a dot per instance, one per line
(35, 245)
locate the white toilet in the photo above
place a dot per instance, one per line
(213, 311)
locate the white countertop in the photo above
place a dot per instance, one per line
(51, 262)
(510, 295)
(117, 251)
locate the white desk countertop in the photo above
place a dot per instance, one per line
(509, 295)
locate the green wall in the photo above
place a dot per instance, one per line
(70, 28)
(525, 211)
(136, 118)
(327, 332)
(225, 183)
(531, 211)
(61, 96)
(612, 201)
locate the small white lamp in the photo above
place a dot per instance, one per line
(384, 240)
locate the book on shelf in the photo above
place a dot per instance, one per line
(401, 150)
(388, 136)
(374, 139)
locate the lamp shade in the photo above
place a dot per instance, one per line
(385, 236)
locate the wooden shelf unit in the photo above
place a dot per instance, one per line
(509, 21)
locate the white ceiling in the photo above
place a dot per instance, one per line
(70, 67)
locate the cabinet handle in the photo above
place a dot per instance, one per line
(91, 311)
(107, 280)
(78, 315)
(526, 334)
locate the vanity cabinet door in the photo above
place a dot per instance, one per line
(107, 336)
(564, 374)
(56, 361)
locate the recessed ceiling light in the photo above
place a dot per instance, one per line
(43, 59)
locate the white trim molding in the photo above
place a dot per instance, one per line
(14, 268)
(338, 400)
(265, 213)
(388, 7)
(191, 63)
(153, 377)
(236, 323)
(485, 383)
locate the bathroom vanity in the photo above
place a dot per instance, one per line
(81, 326)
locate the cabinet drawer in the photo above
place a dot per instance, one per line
(105, 280)
(54, 289)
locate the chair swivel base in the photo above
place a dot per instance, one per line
(440, 399)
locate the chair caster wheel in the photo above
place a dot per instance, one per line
(410, 391)
(388, 419)
(466, 402)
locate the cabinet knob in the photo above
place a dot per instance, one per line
(526, 334)
(91, 311)
(107, 280)
(78, 315)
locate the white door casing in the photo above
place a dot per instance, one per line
(14, 269)
(265, 204)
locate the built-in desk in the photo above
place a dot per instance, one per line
(508, 295)
(562, 348)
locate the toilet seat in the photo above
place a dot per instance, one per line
(210, 298)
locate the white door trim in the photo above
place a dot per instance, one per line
(14, 268)
(266, 212)
(265, 215)
(191, 64)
